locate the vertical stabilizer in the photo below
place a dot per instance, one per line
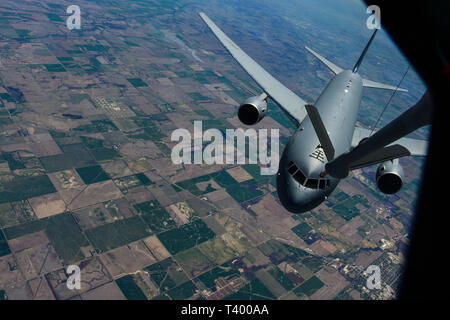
(358, 63)
(370, 83)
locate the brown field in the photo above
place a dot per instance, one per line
(47, 205)
(109, 291)
(127, 259)
(156, 248)
(95, 193)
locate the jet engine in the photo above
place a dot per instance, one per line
(389, 176)
(253, 110)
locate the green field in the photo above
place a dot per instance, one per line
(7, 215)
(91, 143)
(144, 179)
(281, 277)
(54, 17)
(62, 232)
(244, 191)
(143, 122)
(4, 248)
(65, 236)
(25, 228)
(190, 184)
(217, 251)
(255, 171)
(344, 295)
(166, 274)
(183, 291)
(118, 233)
(160, 277)
(197, 96)
(74, 155)
(76, 98)
(92, 174)
(186, 236)
(137, 82)
(340, 196)
(152, 133)
(279, 252)
(103, 154)
(347, 208)
(224, 179)
(155, 216)
(98, 126)
(13, 159)
(64, 59)
(54, 68)
(309, 287)
(282, 119)
(301, 229)
(313, 263)
(61, 162)
(193, 261)
(21, 188)
(130, 289)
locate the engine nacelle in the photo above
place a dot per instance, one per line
(253, 110)
(389, 177)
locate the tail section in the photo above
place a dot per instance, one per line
(366, 83)
(370, 83)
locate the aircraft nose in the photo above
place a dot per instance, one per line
(294, 197)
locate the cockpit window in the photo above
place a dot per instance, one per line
(300, 177)
(292, 168)
(296, 173)
(310, 183)
(322, 183)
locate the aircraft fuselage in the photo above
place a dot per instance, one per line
(299, 185)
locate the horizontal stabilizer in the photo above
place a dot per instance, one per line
(328, 63)
(415, 147)
(378, 85)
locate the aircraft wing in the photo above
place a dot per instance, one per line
(288, 101)
(415, 147)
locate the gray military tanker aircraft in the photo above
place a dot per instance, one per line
(327, 144)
